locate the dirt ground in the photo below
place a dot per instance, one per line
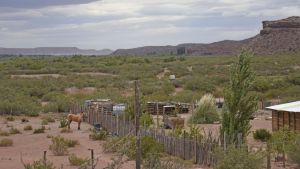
(32, 145)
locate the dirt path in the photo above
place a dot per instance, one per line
(33, 145)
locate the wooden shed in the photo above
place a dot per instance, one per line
(287, 114)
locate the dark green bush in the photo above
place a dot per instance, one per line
(39, 130)
(262, 135)
(99, 135)
(77, 161)
(39, 165)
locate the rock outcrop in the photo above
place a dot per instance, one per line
(281, 36)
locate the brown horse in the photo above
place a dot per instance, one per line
(75, 117)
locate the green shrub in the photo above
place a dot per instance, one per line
(4, 133)
(77, 161)
(63, 123)
(6, 142)
(10, 118)
(154, 161)
(206, 111)
(294, 151)
(44, 122)
(49, 119)
(28, 127)
(39, 165)
(14, 131)
(66, 130)
(39, 130)
(262, 135)
(146, 120)
(238, 158)
(99, 135)
(58, 146)
(126, 145)
(71, 143)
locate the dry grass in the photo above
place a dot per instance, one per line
(6, 142)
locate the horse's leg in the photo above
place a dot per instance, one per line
(69, 122)
(79, 125)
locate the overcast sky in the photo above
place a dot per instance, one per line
(131, 23)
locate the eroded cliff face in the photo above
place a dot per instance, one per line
(281, 36)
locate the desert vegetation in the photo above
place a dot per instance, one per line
(208, 75)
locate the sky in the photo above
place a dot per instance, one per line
(115, 24)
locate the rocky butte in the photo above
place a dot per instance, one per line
(280, 36)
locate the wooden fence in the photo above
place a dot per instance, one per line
(198, 151)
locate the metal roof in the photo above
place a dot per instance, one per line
(290, 107)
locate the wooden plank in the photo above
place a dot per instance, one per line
(286, 119)
(275, 120)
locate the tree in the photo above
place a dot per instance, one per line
(240, 102)
(206, 111)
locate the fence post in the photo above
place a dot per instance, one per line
(92, 157)
(45, 158)
(184, 144)
(118, 124)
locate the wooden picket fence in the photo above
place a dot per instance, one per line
(198, 151)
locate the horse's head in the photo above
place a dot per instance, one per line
(83, 115)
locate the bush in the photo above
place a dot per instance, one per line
(39, 130)
(77, 161)
(49, 119)
(6, 142)
(99, 135)
(3, 133)
(126, 145)
(58, 146)
(39, 165)
(63, 123)
(14, 131)
(10, 118)
(66, 130)
(237, 158)
(206, 111)
(44, 122)
(24, 120)
(146, 120)
(294, 151)
(262, 135)
(28, 127)
(154, 161)
(71, 143)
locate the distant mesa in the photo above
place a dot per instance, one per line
(53, 51)
(281, 36)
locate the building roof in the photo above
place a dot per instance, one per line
(289, 107)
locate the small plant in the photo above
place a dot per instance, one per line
(49, 119)
(44, 122)
(3, 133)
(146, 120)
(49, 136)
(58, 146)
(24, 120)
(39, 165)
(10, 118)
(14, 131)
(39, 130)
(71, 143)
(77, 161)
(66, 130)
(6, 142)
(262, 135)
(28, 127)
(63, 123)
(99, 135)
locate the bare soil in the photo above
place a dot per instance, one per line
(32, 145)
(36, 76)
(85, 90)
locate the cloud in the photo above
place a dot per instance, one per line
(131, 23)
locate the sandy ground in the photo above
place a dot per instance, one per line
(32, 145)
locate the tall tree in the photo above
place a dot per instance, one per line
(240, 102)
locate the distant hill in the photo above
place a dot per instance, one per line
(53, 51)
(281, 36)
